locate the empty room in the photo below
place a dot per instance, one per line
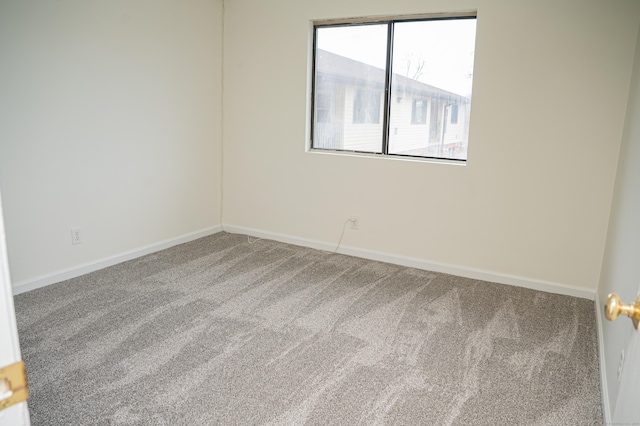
(291, 212)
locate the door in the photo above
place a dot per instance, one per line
(16, 414)
(627, 410)
(621, 270)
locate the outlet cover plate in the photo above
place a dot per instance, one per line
(76, 236)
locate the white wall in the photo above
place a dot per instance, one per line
(550, 91)
(110, 118)
(621, 265)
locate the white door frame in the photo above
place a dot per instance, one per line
(16, 415)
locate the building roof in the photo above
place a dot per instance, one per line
(349, 71)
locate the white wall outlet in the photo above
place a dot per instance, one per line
(620, 365)
(355, 222)
(76, 236)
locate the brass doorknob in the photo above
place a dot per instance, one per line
(614, 307)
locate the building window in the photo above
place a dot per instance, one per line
(454, 114)
(362, 65)
(366, 107)
(323, 108)
(419, 111)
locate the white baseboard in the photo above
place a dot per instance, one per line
(76, 271)
(478, 274)
(65, 274)
(606, 408)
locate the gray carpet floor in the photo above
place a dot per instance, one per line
(220, 331)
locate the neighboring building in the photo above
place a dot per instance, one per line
(349, 101)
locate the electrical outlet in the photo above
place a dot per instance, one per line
(76, 236)
(354, 220)
(620, 365)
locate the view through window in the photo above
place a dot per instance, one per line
(397, 87)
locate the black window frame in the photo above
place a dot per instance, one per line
(390, 21)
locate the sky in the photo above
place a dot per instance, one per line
(445, 47)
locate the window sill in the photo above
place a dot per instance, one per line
(388, 157)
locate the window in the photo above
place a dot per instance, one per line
(454, 114)
(419, 111)
(366, 107)
(394, 74)
(323, 107)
